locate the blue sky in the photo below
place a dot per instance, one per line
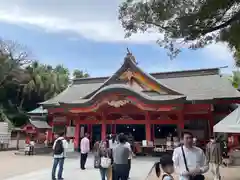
(87, 36)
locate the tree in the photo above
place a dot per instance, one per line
(24, 82)
(45, 81)
(237, 57)
(235, 79)
(35, 82)
(13, 57)
(192, 23)
(80, 74)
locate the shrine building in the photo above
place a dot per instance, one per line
(150, 106)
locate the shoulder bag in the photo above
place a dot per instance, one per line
(105, 162)
(197, 177)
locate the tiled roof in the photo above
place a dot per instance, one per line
(39, 110)
(40, 124)
(201, 84)
(127, 89)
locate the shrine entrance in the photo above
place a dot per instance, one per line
(164, 130)
(137, 130)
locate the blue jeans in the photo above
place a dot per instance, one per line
(57, 162)
(103, 172)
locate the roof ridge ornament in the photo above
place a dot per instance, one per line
(130, 56)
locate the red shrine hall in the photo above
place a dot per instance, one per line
(149, 106)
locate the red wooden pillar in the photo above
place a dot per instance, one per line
(180, 122)
(50, 132)
(104, 128)
(210, 122)
(89, 129)
(148, 127)
(77, 134)
(153, 132)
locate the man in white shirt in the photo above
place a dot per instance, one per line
(195, 159)
(59, 154)
(85, 148)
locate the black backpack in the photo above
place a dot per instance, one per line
(58, 149)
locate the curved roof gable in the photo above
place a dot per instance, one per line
(130, 68)
(126, 90)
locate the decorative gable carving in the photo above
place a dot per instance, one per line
(135, 78)
(138, 83)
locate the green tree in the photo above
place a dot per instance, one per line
(80, 74)
(45, 81)
(13, 59)
(56, 80)
(237, 58)
(192, 23)
(24, 83)
(35, 83)
(235, 79)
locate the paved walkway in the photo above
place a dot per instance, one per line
(72, 171)
(39, 168)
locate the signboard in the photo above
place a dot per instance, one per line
(70, 131)
(60, 119)
(82, 131)
(58, 129)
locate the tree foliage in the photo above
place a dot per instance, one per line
(184, 22)
(80, 74)
(25, 82)
(235, 79)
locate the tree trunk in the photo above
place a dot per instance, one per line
(21, 103)
(18, 137)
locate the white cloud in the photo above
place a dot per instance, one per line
(218, 51)
(93, 19)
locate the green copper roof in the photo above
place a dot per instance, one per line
(38, 110)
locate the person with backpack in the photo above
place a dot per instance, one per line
(59, 154)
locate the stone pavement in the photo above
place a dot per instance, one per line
(39, 168)
(140, 168)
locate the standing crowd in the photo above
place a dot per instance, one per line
(113, 158)
(190, 162)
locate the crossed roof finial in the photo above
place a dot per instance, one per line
(130, 56)
(128, 52)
